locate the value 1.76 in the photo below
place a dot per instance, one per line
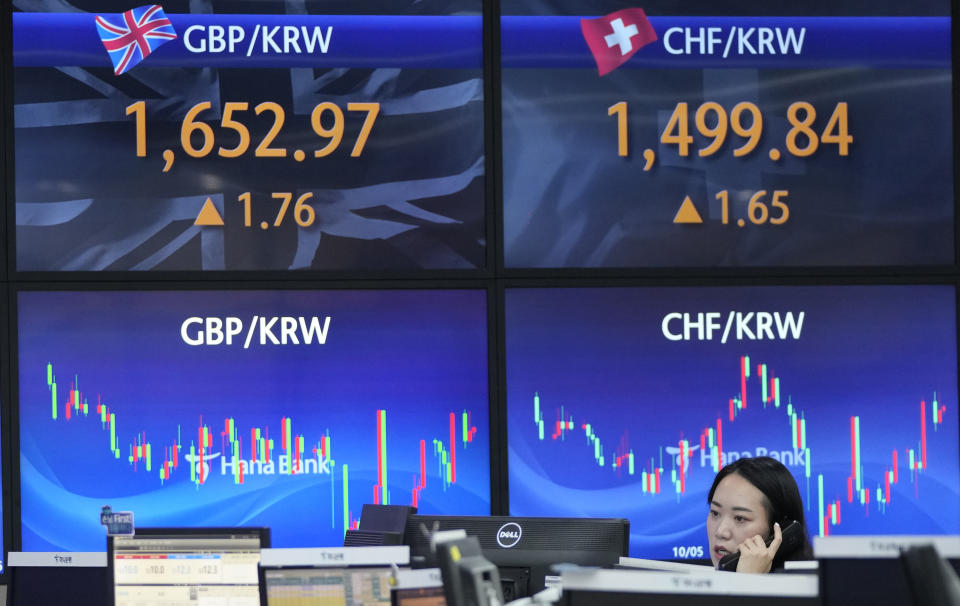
(303, 214)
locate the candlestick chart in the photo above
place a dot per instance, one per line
(863, 416)
(293, 438)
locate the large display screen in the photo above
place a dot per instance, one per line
(3, 545)
(626, 401)
(704, 134)
(239, 135)
(5, 465)
(285, 409)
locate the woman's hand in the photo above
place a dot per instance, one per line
(756, 556)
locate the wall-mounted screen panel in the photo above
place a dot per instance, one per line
(285, 409)
(623, 401)
(674, 136)
(3, 526)
(236, 135)
(5, 464)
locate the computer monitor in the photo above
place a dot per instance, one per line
(42, 578)
(525, 548)
(366, 586)
(418, 596)
(590, 587)
(866, 570)
(423, 587)
(931, 580)
(336, 576)
(161, 566)
(379, 525)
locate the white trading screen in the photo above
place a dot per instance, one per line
(195, 570)
(328, 586)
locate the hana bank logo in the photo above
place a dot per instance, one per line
(674, 451)
(615, 38)
(201, 464)
(131, 36)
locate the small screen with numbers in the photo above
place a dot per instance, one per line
(232, 135)
(695, 134)
(366, 586)
(165, 566)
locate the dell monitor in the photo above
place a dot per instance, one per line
(525, 548)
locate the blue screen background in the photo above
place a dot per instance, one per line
(419, 355)
(602, 356)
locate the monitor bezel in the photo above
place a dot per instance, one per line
(263, 570)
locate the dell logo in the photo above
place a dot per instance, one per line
(509, 535)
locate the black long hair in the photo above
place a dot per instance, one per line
(781, 498)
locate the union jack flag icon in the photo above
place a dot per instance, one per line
(129, 37)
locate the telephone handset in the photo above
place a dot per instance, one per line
(791, 534)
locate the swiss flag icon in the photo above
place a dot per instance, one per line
(615, 38)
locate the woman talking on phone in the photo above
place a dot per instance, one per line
(752, 501)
